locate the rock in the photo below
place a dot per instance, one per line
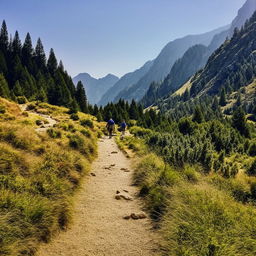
(93, 174)
(127, 217)
(126, 191)
(114, 152)
(134, 216)
(118, 197)
(117, 192)
(123, 169)
(112, 165)
(142, 215)
(127, 171)
(128, 198)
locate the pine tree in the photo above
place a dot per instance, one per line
(16, 45)
(4, 89)
(239, 122)
(52, 63)
(81, 97)
(4, 40)
(40, 57)
(17, 89)
(223, 100)
(27, 52)
(198, 115)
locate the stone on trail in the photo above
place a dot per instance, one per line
(93, 174)
(114, 152)
(118, 197)
(127, 217)
(134, 216)
(117, 192)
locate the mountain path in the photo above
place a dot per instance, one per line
(98, 227)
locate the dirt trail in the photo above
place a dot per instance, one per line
(44, 127)
(99, 228)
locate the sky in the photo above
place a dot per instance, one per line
(112, 36)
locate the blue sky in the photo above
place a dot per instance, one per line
(113, 36)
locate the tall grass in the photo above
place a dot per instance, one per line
(39, 173)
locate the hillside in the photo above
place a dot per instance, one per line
(164, 62)
(40, 170)
(124, 83)
(96, 88)
(190, 63)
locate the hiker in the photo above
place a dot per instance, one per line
(122, 129)
(110, 127)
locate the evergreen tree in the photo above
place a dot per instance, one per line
(40, 57)
(4, 89)
(4, 40)
(16, 45)
(52, 63)
(239, 122)
(17, 89)
(81, 97)
(223, 100)
(198, 115)
(73, 107)
(27, 52)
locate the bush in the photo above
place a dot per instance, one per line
(86, 133)
(252, 169)
(74, 116)
(31, 106)
(76, 142)
(253, 190)
(252, 149)
(2, 109)
(54, 133)
(87, 122)
(39, 122)
(139, 131)
(21, 100)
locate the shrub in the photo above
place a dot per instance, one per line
(252, 169)
(2, 109)
(87, 122)
(74, 116)
(86, 133)
(252, 149)
(21, 100)
(39, 122)
(31, 106)
(139, 131)
(76, 142)
(253, 190)
(54, 133)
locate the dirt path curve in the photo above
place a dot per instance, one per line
(99, 228)
(50, 121)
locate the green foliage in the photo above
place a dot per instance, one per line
(54, 133)
(252, 169)
(21, 100)
(87, 123)
(74, 117)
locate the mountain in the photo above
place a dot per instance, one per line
(95, 88)
(164, 62)
(244, 13)
(228, 79)
(190, 63)
(125, 82)
(194, 59)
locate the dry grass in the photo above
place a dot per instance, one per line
(39, 173)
